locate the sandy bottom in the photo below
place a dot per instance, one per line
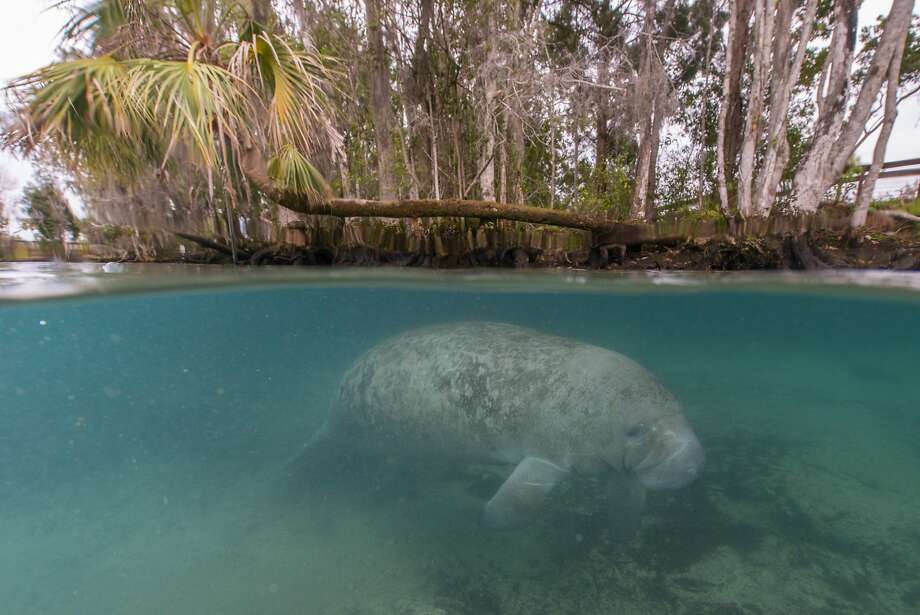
(779, 524)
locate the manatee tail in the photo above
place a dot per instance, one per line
(627, 502)
(316, 456)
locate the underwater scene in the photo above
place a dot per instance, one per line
(457, 445)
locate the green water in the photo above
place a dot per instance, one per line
(143, 438)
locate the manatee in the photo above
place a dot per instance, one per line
(484, 392)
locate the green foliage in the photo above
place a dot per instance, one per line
(46, 211)
(609, 190)
(110, 233)
(910, 63)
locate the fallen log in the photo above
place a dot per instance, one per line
(489, 210)
(254, 166)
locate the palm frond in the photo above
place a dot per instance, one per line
(85, 107)
(100, 107)
(294, 81)
(75, 96)
(198, 103)
(293, 173)
(97, 22)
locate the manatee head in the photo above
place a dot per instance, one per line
(654, 440)
(664, 453)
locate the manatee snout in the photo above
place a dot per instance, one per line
(675, 457)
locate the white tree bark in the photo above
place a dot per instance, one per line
(892, 42)
(514, 111)
(784, 80)
(489, 80)
(764, 17)
(435, 183)
(649, 113)
(835, 139)
(831, 105)
(867, 187)
(380, 100)
(730, 61)
(701, 134)
(405, 138)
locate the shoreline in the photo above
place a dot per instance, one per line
(812, 251)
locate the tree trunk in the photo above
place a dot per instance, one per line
(891, 43)
(421, 58)
(435, 180)
(513, 114)
(343, 177)
(552, 162)
(831, 104)
(502, 172)
(261, 11)
(721, 138)
(739, 50)
(405, 141)
(835, 139)
(785, 75)
(701, 136)
(764, 15)
(867, 186)
(380, 101)
(649, 117)
(602, 119)
(516, 152)
(458, 152)
(487, 128)
(414, 98)
(730, 130)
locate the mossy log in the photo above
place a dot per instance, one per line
(618, 232)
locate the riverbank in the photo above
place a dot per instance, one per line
(894, 251)
(793, 243)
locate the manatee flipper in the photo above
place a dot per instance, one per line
(626, 496)
(522, 495)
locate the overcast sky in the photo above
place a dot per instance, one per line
(30, 35)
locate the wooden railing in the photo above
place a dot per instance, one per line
(12, 249)
(901, 168)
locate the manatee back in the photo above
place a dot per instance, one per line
(470, 389)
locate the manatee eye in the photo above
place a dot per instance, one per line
(636, 430)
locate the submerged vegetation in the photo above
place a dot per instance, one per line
(230, 120)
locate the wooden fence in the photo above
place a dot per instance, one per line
(12, 249)
(896, 168)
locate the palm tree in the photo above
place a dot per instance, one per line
(147, 80)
